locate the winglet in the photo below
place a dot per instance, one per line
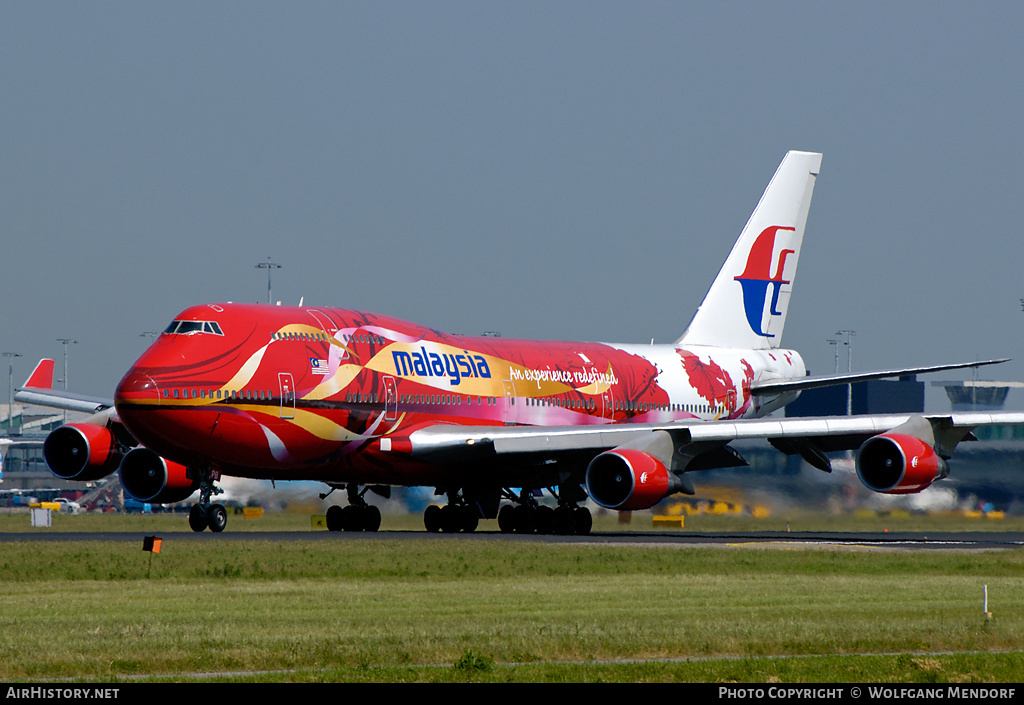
(42, 375)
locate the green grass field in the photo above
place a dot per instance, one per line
(386, 609)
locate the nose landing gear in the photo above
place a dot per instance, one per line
(204, 514)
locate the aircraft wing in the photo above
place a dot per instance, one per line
(38, 389)
(809, 382)
(790, 435)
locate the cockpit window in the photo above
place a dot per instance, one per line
(188, 327)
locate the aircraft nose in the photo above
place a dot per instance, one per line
(136, 386)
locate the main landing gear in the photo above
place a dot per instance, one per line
(204, 514)
(524, 516)
(457, 515)
(359, 515)
(527, 516)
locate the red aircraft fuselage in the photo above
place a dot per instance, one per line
(296, 393)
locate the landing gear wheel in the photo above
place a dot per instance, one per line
(432, 518)
(197, 520)
(507, 519)
(451, 518)
(350, 518)
(217, 517)
(525, 519)
(334, 513)
(371, 518)
(584, 521)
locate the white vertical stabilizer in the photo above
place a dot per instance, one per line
(747, 303)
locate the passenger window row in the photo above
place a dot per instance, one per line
(364, 338)
(650, 406)
(301, 336)
(584, 404)
(215, 394)
(323, 337)
(445, 399)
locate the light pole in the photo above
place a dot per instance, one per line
(65, 342)
(849, 365)
(10, 388)
(268, 265)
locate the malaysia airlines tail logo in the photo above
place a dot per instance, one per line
(757, 279)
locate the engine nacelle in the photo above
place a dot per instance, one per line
(81, 452)
(895, 463)
(150, 478)
(627, 479)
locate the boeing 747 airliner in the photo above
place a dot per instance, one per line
(363, 402)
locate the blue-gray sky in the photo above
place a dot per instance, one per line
(560, 170)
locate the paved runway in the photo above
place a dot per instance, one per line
(973, 540)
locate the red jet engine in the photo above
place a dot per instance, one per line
(81, 452)
(895, 463)
(627, 479)
(150, 478)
